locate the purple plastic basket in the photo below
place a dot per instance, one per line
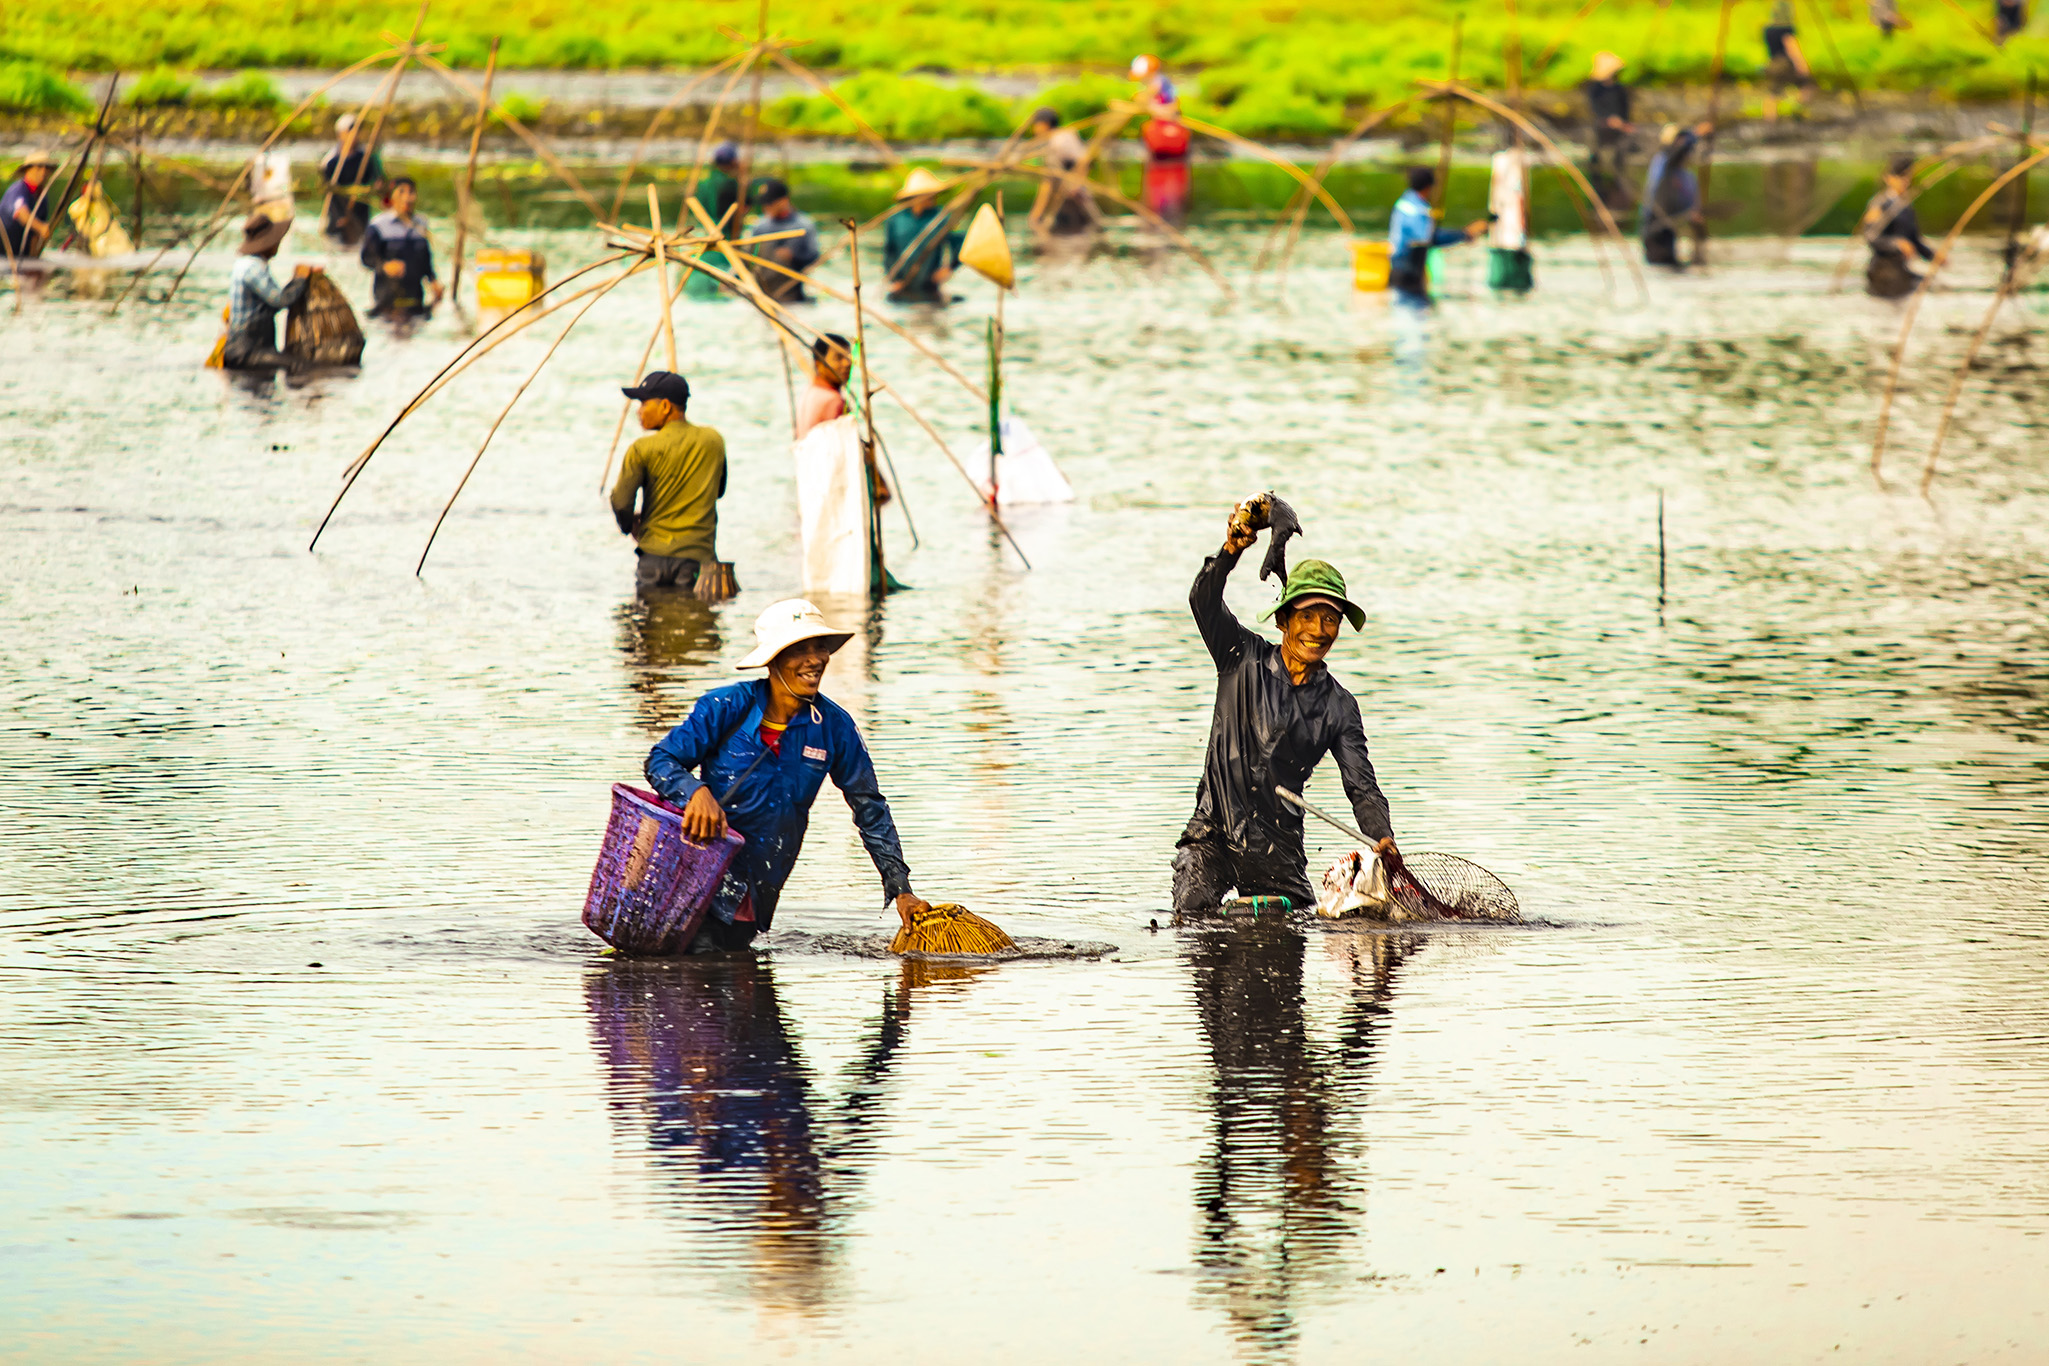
(652, 884)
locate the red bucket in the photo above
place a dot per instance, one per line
(653, 883)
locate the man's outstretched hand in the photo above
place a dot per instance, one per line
(1389, 855)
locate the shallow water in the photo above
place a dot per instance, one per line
(305, 1055)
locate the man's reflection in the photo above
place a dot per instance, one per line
(704, 1070)
(1275, 1199)
(669, 639)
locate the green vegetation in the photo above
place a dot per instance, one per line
(1300, 68)
(32, 88)
(160, 88)
(250, 90)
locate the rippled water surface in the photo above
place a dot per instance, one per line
(304, 1055)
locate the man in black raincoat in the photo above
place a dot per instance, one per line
(1278, 712)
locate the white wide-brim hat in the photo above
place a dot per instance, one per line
(785, 623)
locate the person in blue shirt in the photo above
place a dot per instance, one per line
(397, 248)
(919, 250)
(22, 205)
(1412, 232)
(763, 749)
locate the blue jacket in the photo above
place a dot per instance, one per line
(1413, 225)
(772, 808)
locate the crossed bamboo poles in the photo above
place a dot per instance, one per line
(636, 249)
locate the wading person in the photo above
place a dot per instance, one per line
(1892, 230)
(766, 747)
(1671, 197)
(918, 253)
(255, 298)
(1064, 152)
(1278, 712)
(719, 191)
(22, 207)
(799, 254)
(1785, 64)
(678, 472)
(1608, 110)
(401, 256)
(1412, 232)
(352, 176)
(1508, 235)
(832, 360)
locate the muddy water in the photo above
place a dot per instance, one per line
(305, 1055)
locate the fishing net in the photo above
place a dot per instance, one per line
(321, 328)
(1446, 887)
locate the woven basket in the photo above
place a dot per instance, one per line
(321, 328)
(652, 884)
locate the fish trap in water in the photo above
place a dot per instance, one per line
(1446, 887)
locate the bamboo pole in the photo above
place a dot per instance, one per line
(1842, 68)
(711, 125)
(1707, 154)
(2018, 218)
(805, 74)
(626, 409)
(1543, 63)
(1300, 176)
(519, 130)
(433, 386)
(1298, 203)
(1892, 379)
(754, 105)
(2005, 291)
(640, 148)
(878, 579)
(211, 229)
(1565, 166)
(506, 412)
(1458, 33)
(398, 72)
(954, 460)
(1942, 171)
(654, 217)
(34, 245)
(469, 175)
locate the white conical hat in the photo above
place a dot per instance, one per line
(783, 624)
(921, 182)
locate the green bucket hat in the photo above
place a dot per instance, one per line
(1318, 579)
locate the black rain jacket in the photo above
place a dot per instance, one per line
(1267, 731)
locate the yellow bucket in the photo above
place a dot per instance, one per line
(1369, 266)
(508, 277)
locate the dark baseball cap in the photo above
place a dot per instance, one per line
(661, 384)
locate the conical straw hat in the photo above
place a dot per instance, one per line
(920, 181)
(986, 249)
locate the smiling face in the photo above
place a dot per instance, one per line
(1309, 629)
(801, 668)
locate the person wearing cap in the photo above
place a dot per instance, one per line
(255, 298)
(919, 255)
(678, 472)
(1278, 712)
(719, 191)
(21, 217)
(772, 198)
(753, 755)
(398, 251)
(353, 174)
(1608, 110)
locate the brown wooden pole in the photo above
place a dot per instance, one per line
(654, 217)
(878, 574)
(467, 197)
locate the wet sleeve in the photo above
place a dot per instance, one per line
(1355, 767)
(373, 250)
(1909, 227)
(630, 475)
(853, 772)
(293, 290)
(1221, 631)
(669, 764)
(1447, 237)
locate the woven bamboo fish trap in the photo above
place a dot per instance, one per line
(321, 328)
(950, 929)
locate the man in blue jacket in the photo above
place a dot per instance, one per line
(1412, 232)
(763, 750)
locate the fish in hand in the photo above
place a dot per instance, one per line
(1269, 511)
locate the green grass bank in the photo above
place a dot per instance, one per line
(1299, 71)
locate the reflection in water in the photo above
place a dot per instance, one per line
(669, 640)
(704, 1070)
(1276, 1199)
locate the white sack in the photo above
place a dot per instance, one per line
(1356, 885)
(1025, 472)
(832, 507)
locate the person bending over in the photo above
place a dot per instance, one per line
(764, 748)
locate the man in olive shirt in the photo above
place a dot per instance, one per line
(679, 471)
